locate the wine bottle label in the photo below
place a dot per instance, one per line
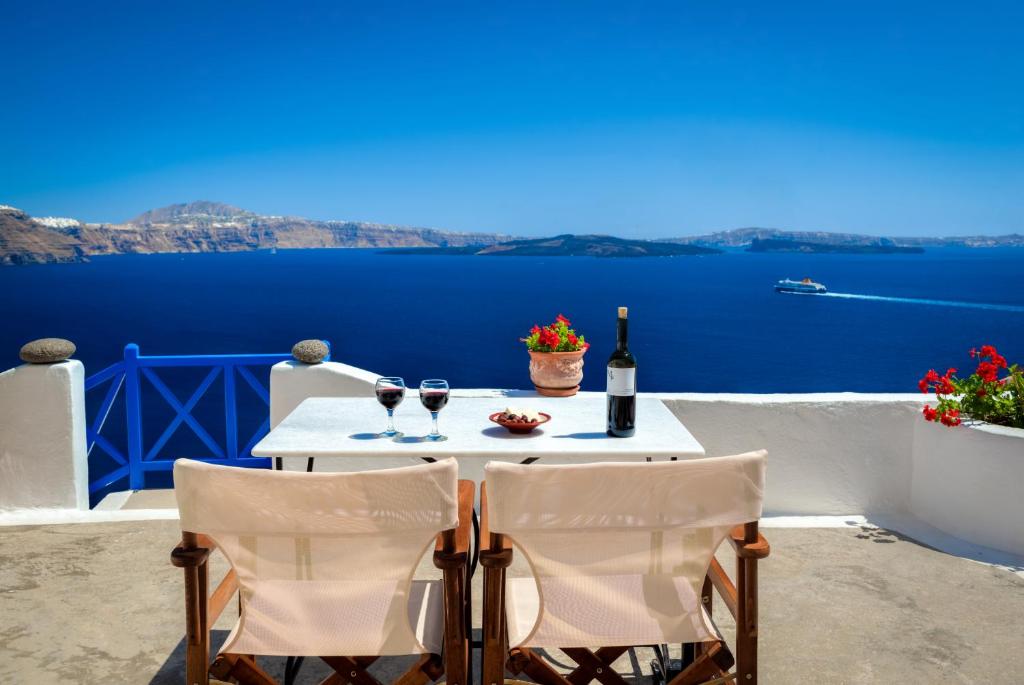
(621, 382)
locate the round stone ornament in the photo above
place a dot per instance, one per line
(47, 350)
(310, 351)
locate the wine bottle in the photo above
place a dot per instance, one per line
(621, 383)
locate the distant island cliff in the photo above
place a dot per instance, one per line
(817, 241)
(568, 246)
(217, 227)
(202, 227)
(779, 245)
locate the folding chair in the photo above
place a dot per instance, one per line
(324, 564)
(622, 555)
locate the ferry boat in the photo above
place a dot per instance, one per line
(806, 286)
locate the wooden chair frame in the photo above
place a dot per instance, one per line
(712, 660)
(202, 609)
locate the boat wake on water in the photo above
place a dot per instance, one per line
(934, 303)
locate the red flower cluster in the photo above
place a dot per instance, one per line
(949, 417)
(991, 362)
(942, 385)
(549, 337)
(982, 396)
(555, 337)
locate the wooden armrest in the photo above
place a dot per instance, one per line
(453, 545)
(748, 542)
(496, 549)
(193, 550)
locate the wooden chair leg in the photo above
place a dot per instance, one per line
(426, 669)
(456, 639)
(581, 675)
(352, 669)
(534, 665)
(192, 558)
(495, 631)
(451, 555)
(708, 665)
(241, 668)
(596, 667)
(746, 612)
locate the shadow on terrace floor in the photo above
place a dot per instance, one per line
(100, 603)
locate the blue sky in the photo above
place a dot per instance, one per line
(638, 119)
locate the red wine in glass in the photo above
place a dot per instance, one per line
(435, 400)
(390, 397)
(390, 393)
(434, 396)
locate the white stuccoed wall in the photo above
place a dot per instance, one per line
(43, 460)
(968, 482)
(828, 453)
(291, 382)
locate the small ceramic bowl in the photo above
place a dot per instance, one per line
(519, 427)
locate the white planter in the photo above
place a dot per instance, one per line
(969, 482)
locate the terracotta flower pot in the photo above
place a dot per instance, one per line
(557, 374)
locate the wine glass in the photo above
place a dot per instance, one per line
(390, 393)
(434, 396)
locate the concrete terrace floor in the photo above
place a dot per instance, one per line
(100, 603)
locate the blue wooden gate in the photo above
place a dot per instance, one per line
(140, 457)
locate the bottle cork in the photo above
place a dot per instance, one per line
(623, 311)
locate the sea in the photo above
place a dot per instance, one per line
(697, 324)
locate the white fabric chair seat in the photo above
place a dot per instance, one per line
(619, 550)
(324, 560)
(339, 617)
(604, 611)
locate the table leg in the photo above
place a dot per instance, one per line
(476, 544)
(292, 665)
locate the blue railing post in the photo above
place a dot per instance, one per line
(133, 408)
(230, 412)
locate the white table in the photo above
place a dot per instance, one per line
(329, 427)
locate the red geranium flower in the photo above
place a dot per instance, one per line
(987, 371)
(550, 338)
(556, 336)
(983, 395)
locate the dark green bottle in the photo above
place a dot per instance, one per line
(622, 383)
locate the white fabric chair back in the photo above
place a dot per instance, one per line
(324, 560)
(619, 551)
